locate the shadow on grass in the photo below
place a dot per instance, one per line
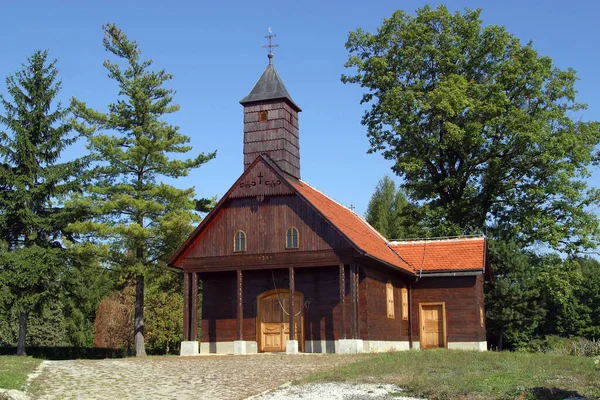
(544, 393)
(67, 353)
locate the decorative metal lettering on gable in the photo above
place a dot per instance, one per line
(261, 181)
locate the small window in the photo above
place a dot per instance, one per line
(389, 289)
(291, 238)
(404, 303)
(239, 242)
(263, 116)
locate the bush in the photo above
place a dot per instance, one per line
(553, 344)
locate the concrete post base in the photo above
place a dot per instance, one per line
(350, 346)
(239, 347)
(291, 347)
(189, 349)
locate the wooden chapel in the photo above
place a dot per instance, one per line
(284, 268)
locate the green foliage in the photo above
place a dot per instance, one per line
(33, 186)
(514, 307)
(137, 217)
(480, 127)
(588, 294)
(392, 214)
(164, 312)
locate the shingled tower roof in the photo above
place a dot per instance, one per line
(269, 87)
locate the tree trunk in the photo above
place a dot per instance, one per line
(500, 340)
(138, 319)
(23, 317)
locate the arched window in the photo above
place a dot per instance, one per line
(291, 238)
(239, 241)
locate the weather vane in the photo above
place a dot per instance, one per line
(270, 46)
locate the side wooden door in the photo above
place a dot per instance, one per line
(432, 318)
(272, 323)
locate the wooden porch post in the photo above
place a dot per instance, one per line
(240, 305)
(194, 308)
(354, 299)
(186, 306)
(292, 311)
(343, 301)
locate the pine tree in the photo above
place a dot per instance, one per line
(33, 183)
(392, 214)
(141, 218)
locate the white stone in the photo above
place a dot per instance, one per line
(350, 346)
(378, 346)
(189, 348)
(291, 347)
(239, 347)
(227, 347)
(480, 346)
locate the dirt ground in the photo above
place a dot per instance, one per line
(203, 377)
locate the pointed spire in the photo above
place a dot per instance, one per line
(269, 86)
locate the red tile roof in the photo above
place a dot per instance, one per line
(350, 224)
(460, 254)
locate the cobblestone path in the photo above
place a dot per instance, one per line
(203, 377)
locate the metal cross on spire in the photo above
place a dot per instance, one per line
(270, 46)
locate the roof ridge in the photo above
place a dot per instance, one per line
(395, 242)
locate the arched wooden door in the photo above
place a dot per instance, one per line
(272, 320)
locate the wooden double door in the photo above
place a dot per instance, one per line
(273, 328)
(433, 325)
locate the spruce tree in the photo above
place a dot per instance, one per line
(140, 218)
(33, 184)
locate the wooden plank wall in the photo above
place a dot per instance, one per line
(278, 137)
(379, 326)
(265, 224)
(319, 285)
(462, 296)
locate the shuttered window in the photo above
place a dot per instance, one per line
(404, 303)
(239, 241)
(481, 316)
(263, 116)
(389, 289)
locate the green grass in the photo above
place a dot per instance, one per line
(14, 371)
(447, 374)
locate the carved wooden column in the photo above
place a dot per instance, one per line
(240, 305)
(186, 306)
(343, 302)
(292, 310)
(194, 307)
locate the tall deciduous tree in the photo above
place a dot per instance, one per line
(481, 127)
(33, 183)
(142, 218)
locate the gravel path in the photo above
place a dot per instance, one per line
(208, 377)
(337, 391)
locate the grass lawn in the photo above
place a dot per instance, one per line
(14, 371)
(447, 374)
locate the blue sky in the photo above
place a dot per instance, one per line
(214, 51)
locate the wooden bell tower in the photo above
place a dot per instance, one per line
(271, 121)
